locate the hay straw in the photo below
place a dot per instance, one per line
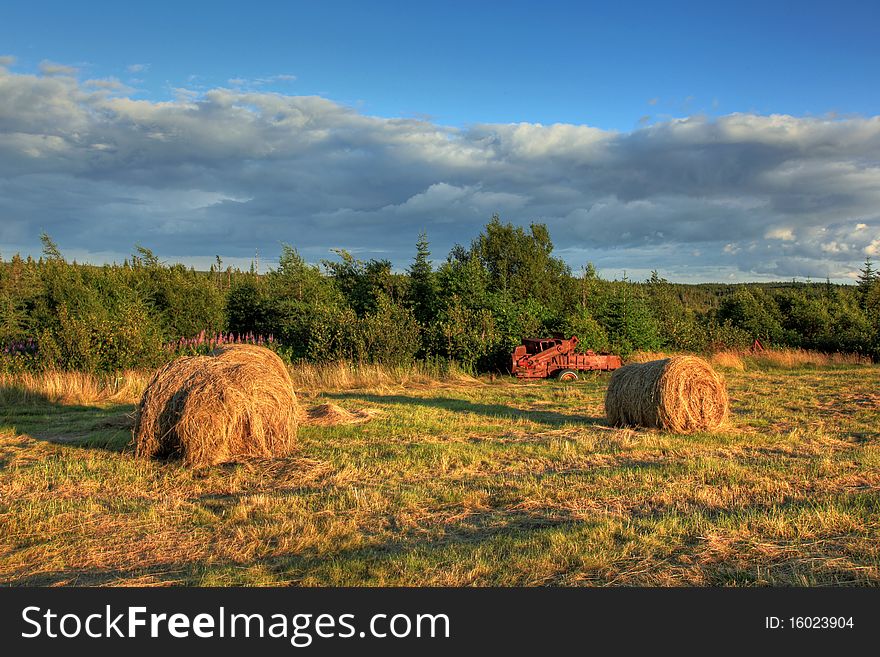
(681, 394)
(249, 353)
(159, 408)
(211, 409)
(329, 415)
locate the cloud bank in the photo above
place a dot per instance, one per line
(230, 171)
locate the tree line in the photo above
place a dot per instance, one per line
(474, 308)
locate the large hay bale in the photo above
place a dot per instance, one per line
(250, 353)
(682, 394)
(160, 405)
(211, 409)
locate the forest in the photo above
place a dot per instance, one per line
(472, 309)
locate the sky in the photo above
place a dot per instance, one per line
(730, 142)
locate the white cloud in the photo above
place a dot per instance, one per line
(137, 68)
(230, 170)
(260, 82)
(51, 68)
(6, 61)
(108, 84)
(785, 234)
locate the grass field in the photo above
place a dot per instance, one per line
(456, 483)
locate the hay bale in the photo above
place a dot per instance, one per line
(212, 409)
(250, 353)
(682, 394)
(157, 412)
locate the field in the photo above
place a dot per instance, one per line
(455, 482)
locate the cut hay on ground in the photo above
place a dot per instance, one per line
(332, 415)
(211, 409)
(682, 394)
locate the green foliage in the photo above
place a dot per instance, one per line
(755, 312)
(187, 302)
(677, 324)
(463, 333)
(247, 307)
(629, 322)
(474, 309)
(293, 301)
(361, 283)
(720, 337)
(868, 276)
(514, 319)
(332, 335)
(422, 291)
(521, 263)
(590, 332)
(462, 276)
(807, 320)
(390, 334)
(851, 330)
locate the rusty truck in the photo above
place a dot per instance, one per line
(541, 358)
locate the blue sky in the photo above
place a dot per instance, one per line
(739, 138)
(603, 64)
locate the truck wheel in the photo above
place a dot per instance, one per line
(567, 375)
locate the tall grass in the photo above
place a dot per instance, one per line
(646, 356)
(741, 360)
(785, 359)
(127, 387)
(343, 375)
(73, 387)
(728, 360)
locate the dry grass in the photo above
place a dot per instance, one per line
(784, 359)
(682, 394)
(348, 376)
(728, 360)
(238, 403)
(453, 484)
(127, 387)
(646, 356)
(72, 387)
(329, 415)
(794, 358)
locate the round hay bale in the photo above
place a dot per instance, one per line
(251, 353)
(159, 407)
(213, 409)
(682, 394)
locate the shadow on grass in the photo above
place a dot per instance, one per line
(40, 417)
(552, 418)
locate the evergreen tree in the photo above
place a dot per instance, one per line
(50, 248)
(867, 277)
(422, 290)
(754, 311)
(629, 321)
